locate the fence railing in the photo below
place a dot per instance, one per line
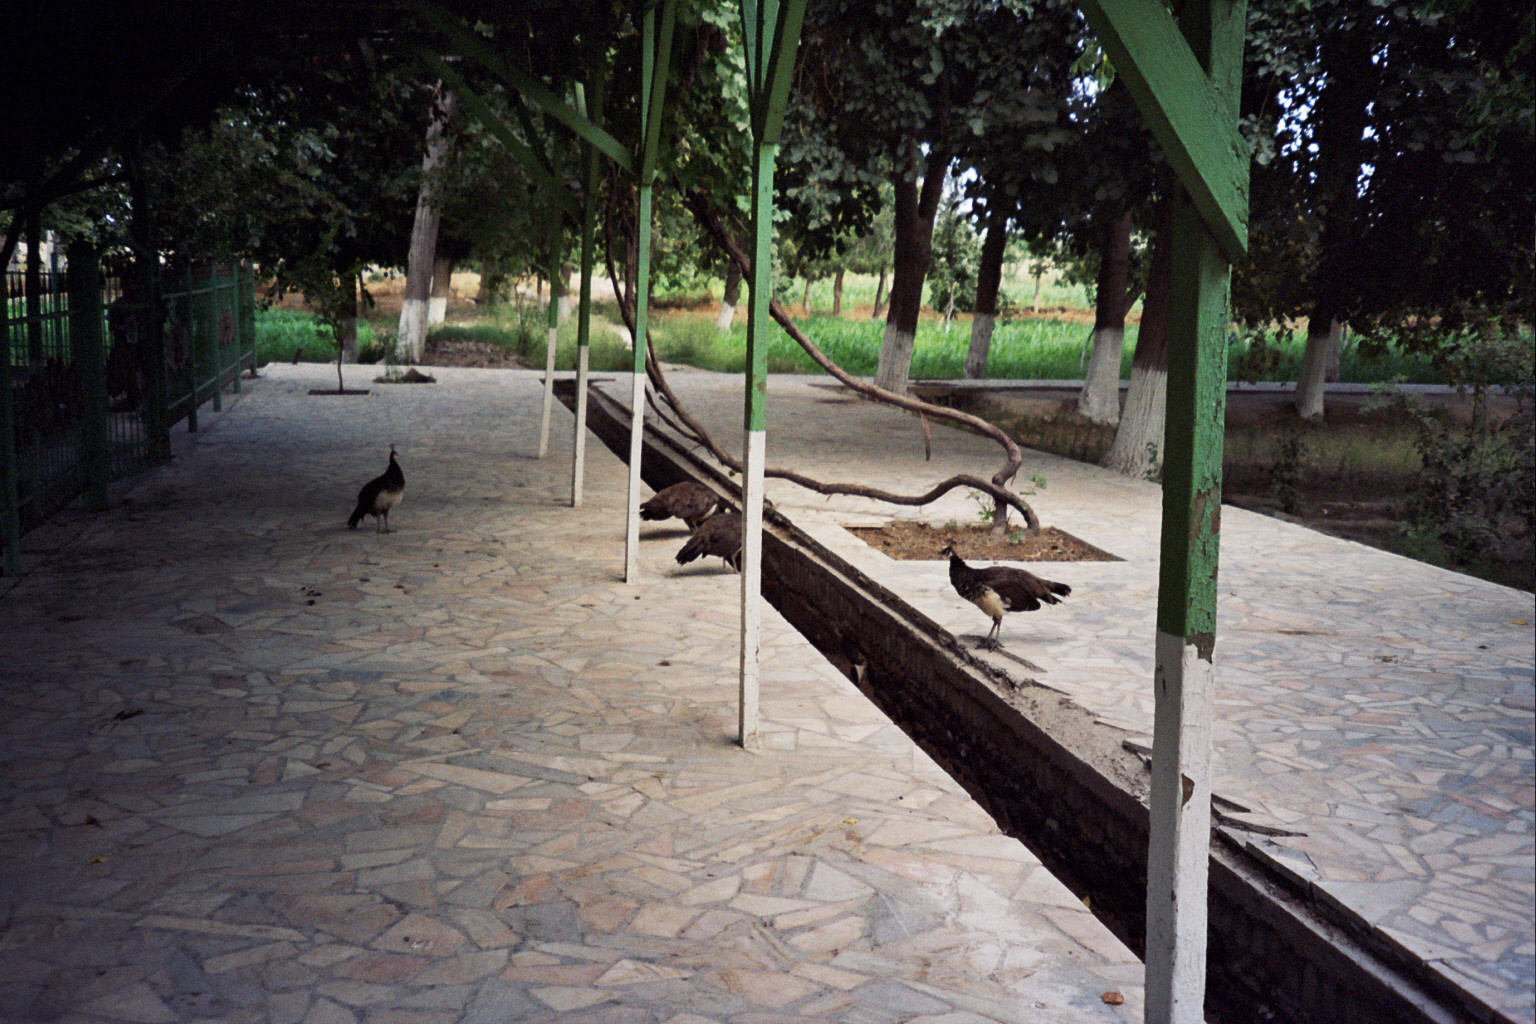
(93, 379)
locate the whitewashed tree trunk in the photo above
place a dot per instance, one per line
(411, 338)
(442, 280)
(981, 345)
(1138, 447)
(895, 366)
(567, 299)
(1099, 401)
(1335, 350)
(729, 296)
(349, 339)
(1314, 373)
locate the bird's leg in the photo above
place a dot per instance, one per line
(992, 641)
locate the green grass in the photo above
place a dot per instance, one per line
(1022, 349)
(282, 332)
(1045, 349)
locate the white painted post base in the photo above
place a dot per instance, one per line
(751, 584)
(579, 456)
(549, 392)
(636, 448)
(1178, 860)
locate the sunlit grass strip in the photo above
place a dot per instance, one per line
(282, 333)
(1024, 349)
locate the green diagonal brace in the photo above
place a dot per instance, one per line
(768, 110)
(524, 154)
(654, 75)
(473, 45)
(1193, 121)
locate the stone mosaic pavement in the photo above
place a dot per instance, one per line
(257, 768)
(1378, 706)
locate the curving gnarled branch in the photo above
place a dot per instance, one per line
(996, 488)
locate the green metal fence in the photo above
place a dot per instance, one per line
(93, 379)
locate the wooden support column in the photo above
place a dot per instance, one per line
(772, 33)
(584, 319)
(1185, 73)
(655, 54)
(556, 290)
(1178, 859)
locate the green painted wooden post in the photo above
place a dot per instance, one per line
(85, 342)
(10, 495)
(584, 321)
(1185, 75)
(556, 292)
(655, 54)
(772, 33)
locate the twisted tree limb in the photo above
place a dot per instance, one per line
(996, 488)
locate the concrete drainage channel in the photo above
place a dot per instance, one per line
(1066, 786)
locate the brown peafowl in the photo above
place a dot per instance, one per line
(379, 495)
(998, 589)
(689, 501)
(719, 535)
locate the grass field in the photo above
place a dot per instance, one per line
(280, 333)
(1049, 345)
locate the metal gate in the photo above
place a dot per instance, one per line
(92, 378)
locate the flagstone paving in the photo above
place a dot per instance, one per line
(1379, 706)
(257, 768)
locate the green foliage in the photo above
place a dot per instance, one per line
(280, 333)
(954, 259)
(1285, 476)
(1479, 479)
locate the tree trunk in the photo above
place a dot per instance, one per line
(1322, 350)
(411, 338)
(729, 297)
(879, 295)
(805, 303)
(1138, 447)
(442, 286)
(346, 327)
(1339, 129)
(915, 209)
(1100, 398)
(989, 278)
(567, 293)
(837, 292)
(1334, 371)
